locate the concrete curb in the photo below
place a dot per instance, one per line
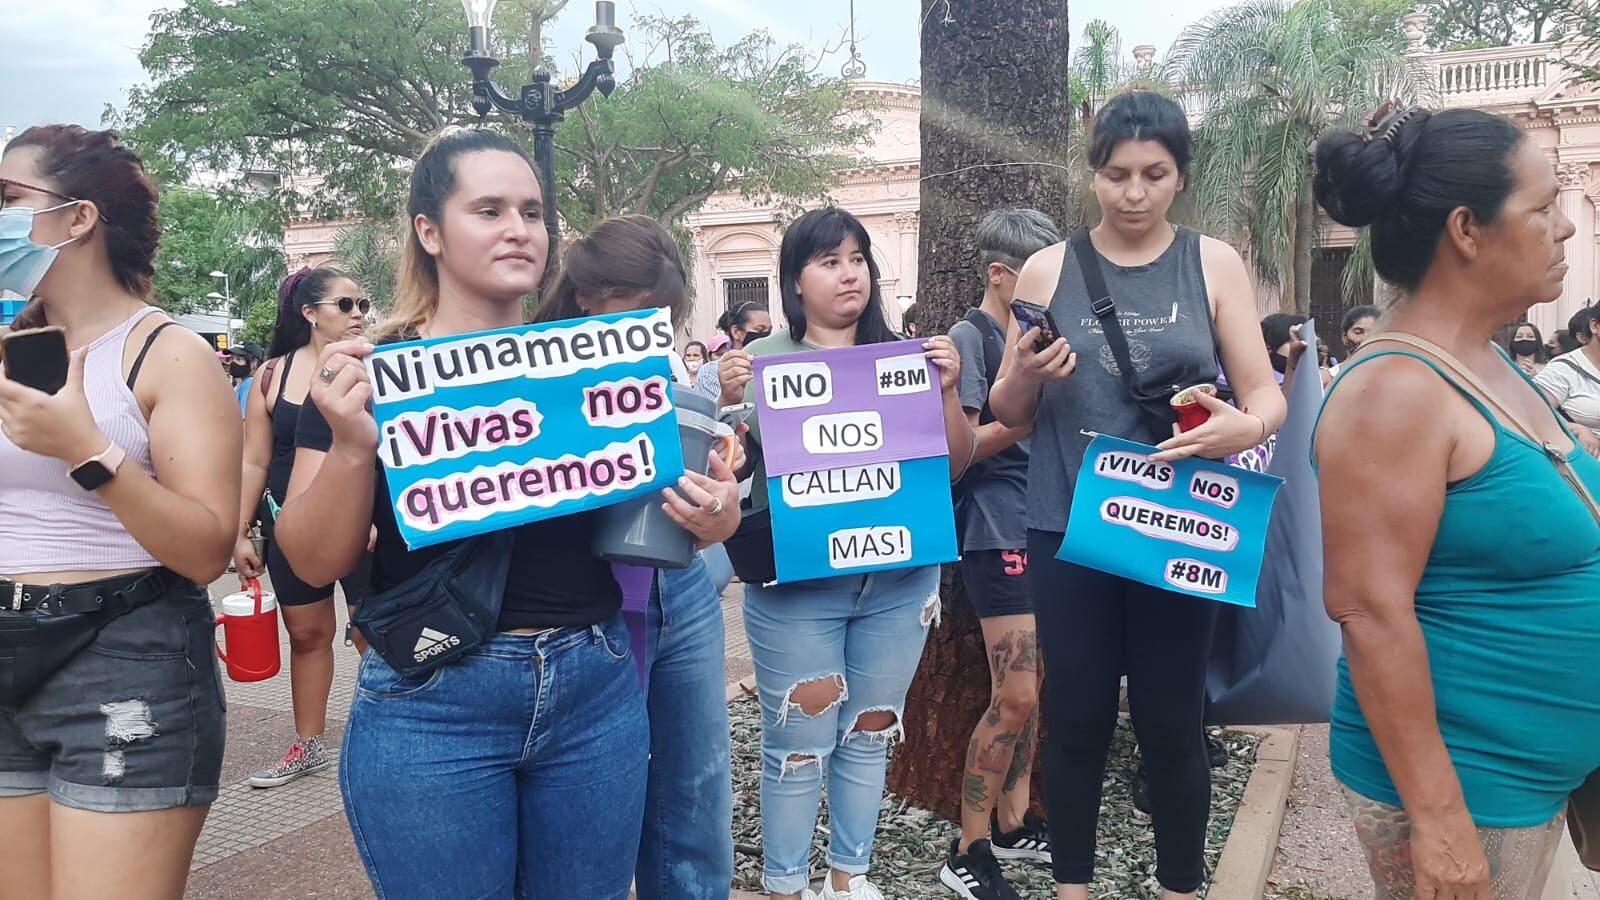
(1252, 845)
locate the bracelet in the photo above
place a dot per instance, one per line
(1263, 427)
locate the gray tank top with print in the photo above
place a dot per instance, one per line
(1166, 315)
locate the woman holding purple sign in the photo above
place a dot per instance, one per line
(1182, 301)
(520, 767)
(833, 656)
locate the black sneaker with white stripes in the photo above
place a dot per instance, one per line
(976, 874)
(1029, 842)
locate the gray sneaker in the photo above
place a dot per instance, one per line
(303, 758)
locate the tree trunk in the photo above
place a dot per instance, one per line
(1305, 245)
(995, 120)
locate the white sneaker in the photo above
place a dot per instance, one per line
(860, 889)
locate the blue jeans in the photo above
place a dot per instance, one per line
(867, 632)
(686, 852)
(517, 771)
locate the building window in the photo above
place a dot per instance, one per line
(745, 290)
(1328, 299)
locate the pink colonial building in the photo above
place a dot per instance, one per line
(736, 242)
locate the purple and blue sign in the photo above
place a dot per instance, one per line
(858, 471)
(1193, 526)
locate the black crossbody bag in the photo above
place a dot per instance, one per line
(443, 612)
(1155, 404)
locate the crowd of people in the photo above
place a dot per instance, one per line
(1457, 475)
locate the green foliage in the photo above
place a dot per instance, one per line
(370, 252)
(353, 89)
(1475, 24)
(202, 233)
(1373, 21)
(1275, 77)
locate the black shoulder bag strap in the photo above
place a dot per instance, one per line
(1105, 309)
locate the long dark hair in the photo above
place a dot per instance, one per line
(300, 289)
(809, 237)
(1406, 179)
(623, 256)
(1541, 353)
(96, 166)
(1139, 115)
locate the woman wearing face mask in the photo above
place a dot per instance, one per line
(519, 768)
(743, 324)
(686, 852)
(316, 307)
(118, 500)
(694, 356)
(1460, 533)
(1360, 322)
(1094, 627)
(1528, 349)
(833, 656)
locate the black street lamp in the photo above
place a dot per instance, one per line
(539, 103)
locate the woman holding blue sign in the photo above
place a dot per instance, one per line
(520, 766)
(686, 850)
(834, 656)
(1178, 302)
(1459, 519)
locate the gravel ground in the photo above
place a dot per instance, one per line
(911, 843)
(1318, 855)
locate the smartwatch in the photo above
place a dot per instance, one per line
(97, 471)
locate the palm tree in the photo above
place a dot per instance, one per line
(1099, 72)
(1273, 77)
(370, 251)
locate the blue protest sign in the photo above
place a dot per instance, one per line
(487, 431)
(859, 473)
(1193, 526)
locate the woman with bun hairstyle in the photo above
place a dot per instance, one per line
(119, 501)
(1194, 306)
(743, 324)
(686, 850)
(1461, 539)
(316, 307)
(519, 768)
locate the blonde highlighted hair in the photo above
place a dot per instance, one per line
(433, 180)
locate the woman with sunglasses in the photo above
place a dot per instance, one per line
(118, 498)
(316, 307)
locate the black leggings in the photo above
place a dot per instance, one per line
(1093, 629)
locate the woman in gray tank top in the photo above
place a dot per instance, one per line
(1184, 302)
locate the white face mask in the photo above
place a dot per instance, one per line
(22, 262)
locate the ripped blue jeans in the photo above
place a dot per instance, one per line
(863, 633)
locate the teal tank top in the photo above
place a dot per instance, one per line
(1509, 605)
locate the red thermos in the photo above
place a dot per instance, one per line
(249, 623)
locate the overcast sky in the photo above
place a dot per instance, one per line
(76, 56)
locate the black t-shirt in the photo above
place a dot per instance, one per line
(555, 579)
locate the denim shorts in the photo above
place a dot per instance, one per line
(133, 723)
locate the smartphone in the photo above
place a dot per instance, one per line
(1032, 315)
(733, 416)
(37, 357)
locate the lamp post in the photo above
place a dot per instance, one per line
(227, 300)
(540, 104)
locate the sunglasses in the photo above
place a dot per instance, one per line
(347, 305)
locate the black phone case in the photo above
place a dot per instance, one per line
(37, 360)
(1033, 314)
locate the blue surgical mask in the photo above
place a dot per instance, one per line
(22, 262)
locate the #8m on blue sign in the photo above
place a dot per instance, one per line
(1194, 526)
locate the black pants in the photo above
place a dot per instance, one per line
(1093, 629)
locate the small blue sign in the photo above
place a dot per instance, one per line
(487, 431)
(1193, 526)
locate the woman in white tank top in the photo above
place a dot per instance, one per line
(118, 500)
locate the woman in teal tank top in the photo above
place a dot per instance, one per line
(1462, 555)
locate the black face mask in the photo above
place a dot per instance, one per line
(239, 369)
(1524, 348)
(751, 337)
(1279, 363)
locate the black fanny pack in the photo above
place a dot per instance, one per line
(444, 611)
(42, 627)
